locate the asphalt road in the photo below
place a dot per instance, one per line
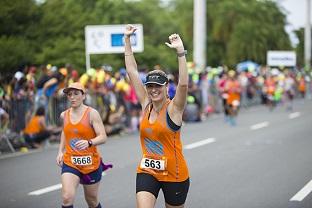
(263, 162)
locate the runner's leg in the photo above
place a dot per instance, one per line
(147, 189)
(91, 194)
(145, 199)
(70, 183)
(175, 193)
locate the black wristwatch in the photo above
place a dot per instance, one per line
(182, 53)
(90, 143)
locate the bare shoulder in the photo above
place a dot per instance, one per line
(94, 114)
(42, 119)
(62, 115)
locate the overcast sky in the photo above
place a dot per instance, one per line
(296, 15)
(297, 11)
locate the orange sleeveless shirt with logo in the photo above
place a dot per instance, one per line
(301, 86)
(232, 95)
(270, 86)
(162, 149)
(84, 160)
(33, 126)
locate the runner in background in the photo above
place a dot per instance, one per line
(269, 91)
(289, 89)
(301, 86)
(233, 90)
(223, 94)
(78, 156)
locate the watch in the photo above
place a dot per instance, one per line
(90, 143)
(182, 53)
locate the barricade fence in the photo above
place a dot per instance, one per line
(20, 110)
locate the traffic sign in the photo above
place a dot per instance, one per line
(104, 39)
(281, 58)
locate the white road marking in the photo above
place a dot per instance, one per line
(259, 125)
(49, 189)
(45, 190)
(199, 143)
(294, 115)
(303, 192)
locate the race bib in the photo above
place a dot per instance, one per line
(149, 163)
(235, 103)
(81, 160)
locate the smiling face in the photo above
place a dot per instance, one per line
(75, 97)
(156, 92)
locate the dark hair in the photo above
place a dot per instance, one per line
(40, 111)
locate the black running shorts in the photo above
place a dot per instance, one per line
(175, 193)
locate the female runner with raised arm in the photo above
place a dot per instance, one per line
(162, 165)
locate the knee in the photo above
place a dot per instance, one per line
(92, 201)
(68, 198)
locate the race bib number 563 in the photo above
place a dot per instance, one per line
(81, 160)
(152, 164)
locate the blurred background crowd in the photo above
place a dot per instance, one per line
(39, 37)
(109, 91)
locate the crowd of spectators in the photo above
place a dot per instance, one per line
(111, 94)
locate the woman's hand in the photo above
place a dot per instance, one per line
(59, 159)
(130, 29)
(175, 42)
(82, 144)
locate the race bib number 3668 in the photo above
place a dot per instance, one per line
(81, 160)
(152, 164)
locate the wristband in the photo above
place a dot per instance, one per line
(90, 143)
(182, 53)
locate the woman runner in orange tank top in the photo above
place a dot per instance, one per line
(162, 165)
(233, 88)
(78, 156)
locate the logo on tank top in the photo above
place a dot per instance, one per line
(75, 131)
(73, 143)
(153, 147)
(148, 130)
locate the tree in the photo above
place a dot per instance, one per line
(300, 46)
(16, 28)
(246, 29)
(53, 31)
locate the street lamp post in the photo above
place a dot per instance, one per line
(199, 18)
(307, 37)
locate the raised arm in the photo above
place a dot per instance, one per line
(179, 101)
(132, 68)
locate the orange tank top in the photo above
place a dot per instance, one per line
(232, 94)
(270, 85)
(162, 149)
(84, 160)
(33, 126)
(301, 85)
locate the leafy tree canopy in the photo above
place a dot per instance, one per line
(53, 31)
